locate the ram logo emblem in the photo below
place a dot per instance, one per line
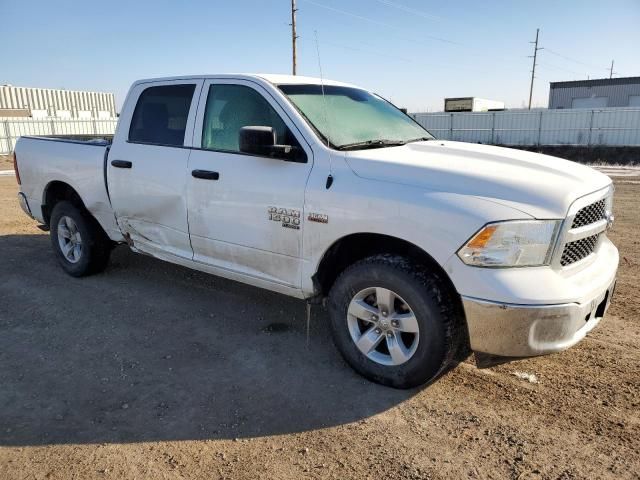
(288, 217)
(608, 215)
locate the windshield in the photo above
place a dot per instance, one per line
(353, 118)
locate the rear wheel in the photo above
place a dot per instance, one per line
(80, 245)
(395, 323)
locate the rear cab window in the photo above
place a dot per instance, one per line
(161, 114)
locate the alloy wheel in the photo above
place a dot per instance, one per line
(383, 326)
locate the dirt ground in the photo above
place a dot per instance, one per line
(6, 162)
(154, 371)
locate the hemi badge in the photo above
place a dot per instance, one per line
(318, 217)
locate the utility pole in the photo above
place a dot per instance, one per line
(533, 70)
(611, 72)
(294, 37)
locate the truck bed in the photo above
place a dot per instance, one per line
(80, 164)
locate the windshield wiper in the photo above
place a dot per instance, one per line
(419, 139)
(371, 144)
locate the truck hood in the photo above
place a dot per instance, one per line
(539, 185)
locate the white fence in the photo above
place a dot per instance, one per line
(610, 126)
(12, 128)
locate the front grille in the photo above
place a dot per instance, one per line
(580, 249)
(576, 251)
(590, 214)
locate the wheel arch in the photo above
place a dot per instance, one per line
(356, 246)
(56, 191)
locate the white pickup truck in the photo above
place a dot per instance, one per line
(424, 248)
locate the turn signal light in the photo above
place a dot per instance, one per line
(482, 238)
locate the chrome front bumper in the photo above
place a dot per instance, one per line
(510, 330)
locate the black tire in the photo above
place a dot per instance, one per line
(434, 304)
(96, 246)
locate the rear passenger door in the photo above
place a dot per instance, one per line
(147, 166)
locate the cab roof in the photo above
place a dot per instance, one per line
(276, 79)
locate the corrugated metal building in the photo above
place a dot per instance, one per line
(600, 93)
(47, 102)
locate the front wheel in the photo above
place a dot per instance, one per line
(80, 245)
(393, 322)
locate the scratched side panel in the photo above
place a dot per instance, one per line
(149, 199)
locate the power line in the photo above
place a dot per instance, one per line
(373, 51)
(405, 38)
(344, 12)
(414, 11)
(591, 67)
(368, 51)
(374, 21)
(552, 52)
(549, 65)
(407, 9)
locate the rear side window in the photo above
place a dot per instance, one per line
(161, 114)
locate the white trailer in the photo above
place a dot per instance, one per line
(472, 104)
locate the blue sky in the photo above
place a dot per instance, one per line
(415, 52)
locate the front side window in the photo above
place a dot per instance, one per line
(161, 114)
(351, 118)
(231, 107)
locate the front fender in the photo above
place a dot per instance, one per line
(437, 222)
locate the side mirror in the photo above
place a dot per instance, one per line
(260, 140)
(257, 140)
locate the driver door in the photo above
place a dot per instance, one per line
(245, 210)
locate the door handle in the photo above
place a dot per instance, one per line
(121, 163)
(205, 174)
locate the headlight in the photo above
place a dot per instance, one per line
(519, 243)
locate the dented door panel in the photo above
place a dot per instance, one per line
(149, 198)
